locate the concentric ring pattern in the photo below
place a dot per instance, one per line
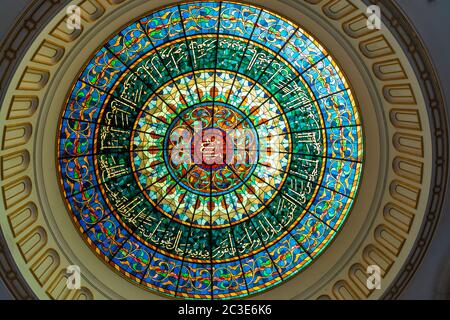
(210, 150)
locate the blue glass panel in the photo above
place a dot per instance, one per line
(103, 70)
(130, 44)
(302, 52)
(324, 79)
(273, 31)
(163, 26)
(200, 17)
(238, 20)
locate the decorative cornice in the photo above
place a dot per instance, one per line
(12, 49)
(405, 32)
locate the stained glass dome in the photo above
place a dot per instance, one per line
(210, 150)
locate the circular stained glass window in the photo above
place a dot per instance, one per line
(210, 150)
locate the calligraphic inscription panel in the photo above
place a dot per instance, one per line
(210, 150)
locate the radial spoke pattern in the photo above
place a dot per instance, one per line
(210, 150)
